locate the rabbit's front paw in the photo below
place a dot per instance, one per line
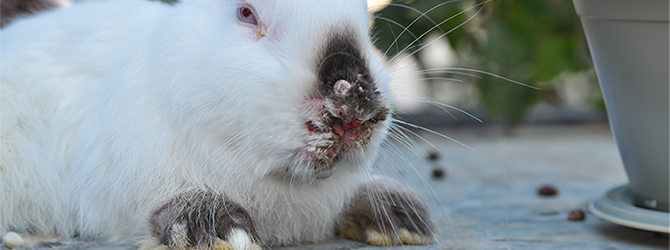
(386, 213)
(201, 220)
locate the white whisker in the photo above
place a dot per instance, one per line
(396, 23)
(447, 71)
(441, 106)
(483, 4)
(433, 132)
(422, 14)
(405, 140)
(416, 20)
(486, 73)
(420, 137)
(433, 194)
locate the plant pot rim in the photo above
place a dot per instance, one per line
(633, 10)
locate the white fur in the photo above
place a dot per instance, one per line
(110, 108)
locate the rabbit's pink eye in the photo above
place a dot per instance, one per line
(245, 14)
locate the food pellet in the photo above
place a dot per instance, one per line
(576, 215)
(438, 173)
(547, 190)
(12, 240)
(433, 156)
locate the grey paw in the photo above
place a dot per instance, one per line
(201, 220)
(385, 212)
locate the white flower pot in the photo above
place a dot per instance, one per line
(629, 41)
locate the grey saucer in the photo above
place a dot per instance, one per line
(616, 206)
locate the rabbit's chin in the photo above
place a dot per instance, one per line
(331, 141)
(310, 164)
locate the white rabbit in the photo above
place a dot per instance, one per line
(205, 123)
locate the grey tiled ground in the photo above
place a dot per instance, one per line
(488, 199)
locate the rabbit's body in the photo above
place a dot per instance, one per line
(66, 108)
(110, 109)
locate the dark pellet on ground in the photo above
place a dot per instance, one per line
(576, 215)
(433, 156)
(438, 173)
(547, 190)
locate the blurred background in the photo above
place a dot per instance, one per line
(507, 103)
(476, 56)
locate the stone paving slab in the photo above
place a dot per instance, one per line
(489, 200)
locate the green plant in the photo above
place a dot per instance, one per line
(528, 41)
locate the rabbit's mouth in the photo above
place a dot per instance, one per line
(329, 134)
